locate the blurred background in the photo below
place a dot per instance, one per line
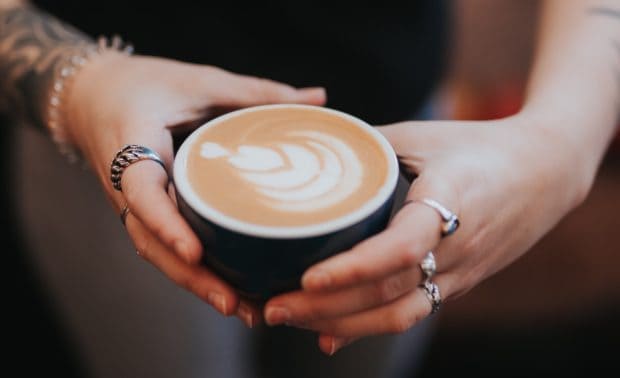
(553, 312)
(556, 311)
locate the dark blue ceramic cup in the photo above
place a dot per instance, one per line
(260, 261)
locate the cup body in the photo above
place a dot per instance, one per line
(261, 262)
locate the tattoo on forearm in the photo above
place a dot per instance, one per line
(31, 45)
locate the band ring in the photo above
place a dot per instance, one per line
(428, 266)
(450, 220)
(124, 213)
(129, 154)
(432, 293)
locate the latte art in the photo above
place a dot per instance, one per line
(316, 172)
(286, 167)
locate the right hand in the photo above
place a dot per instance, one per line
(117, 100)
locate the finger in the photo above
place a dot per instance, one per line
(249, 314)
(194, 278)
(394, 318)
(145, 186)
(412, 233)
(240, 90)
(304, 306)
(399, 140)
(331, 344)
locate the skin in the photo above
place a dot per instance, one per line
(509, 180)
(117, 99)
(159, 97)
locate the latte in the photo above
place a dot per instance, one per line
(286, 166)
(271, 190)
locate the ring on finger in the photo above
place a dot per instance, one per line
(129, 154)
(450, 221)
(432, 293)
(428, 267)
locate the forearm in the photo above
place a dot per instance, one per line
(574, 89)
(32, 45)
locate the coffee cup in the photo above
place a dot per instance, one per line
(271, 190)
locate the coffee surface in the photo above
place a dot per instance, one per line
(286, 167)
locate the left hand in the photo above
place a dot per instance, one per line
(509, 181)
(117, 100)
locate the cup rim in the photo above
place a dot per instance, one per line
(185, 190)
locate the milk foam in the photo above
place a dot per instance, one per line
(311, 170)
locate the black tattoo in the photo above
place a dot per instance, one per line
(32, 44)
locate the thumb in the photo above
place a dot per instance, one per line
(414, 135)
(407, 140)
(399, 135)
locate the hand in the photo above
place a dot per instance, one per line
(117, 100)
(509, 181)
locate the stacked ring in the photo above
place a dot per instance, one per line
(428, 266)
(432, 293)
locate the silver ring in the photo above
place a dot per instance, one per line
(450, 220)
(432, 293)
(124, 213)
(129, 154)
(428, 266)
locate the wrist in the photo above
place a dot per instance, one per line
(83, 90)
(561, 151)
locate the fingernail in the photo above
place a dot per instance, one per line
(312, 89)
(332, 347)
(277, 315)
(315, 92)
(246, 315)
(218, 301)
(316, 280)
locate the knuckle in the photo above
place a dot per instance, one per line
(472, 244)
(409, 256)
(143, 246)
(386, 289)
(268, 89)
(160, 230)
(408, 252)
(255, 86)
(209, 71)
(188, 283)
(330, 327)
(381, 291)
(193, 249)
(402, 244)
(356, 273)
(400, 322)
(306, 313)
(471, 278)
